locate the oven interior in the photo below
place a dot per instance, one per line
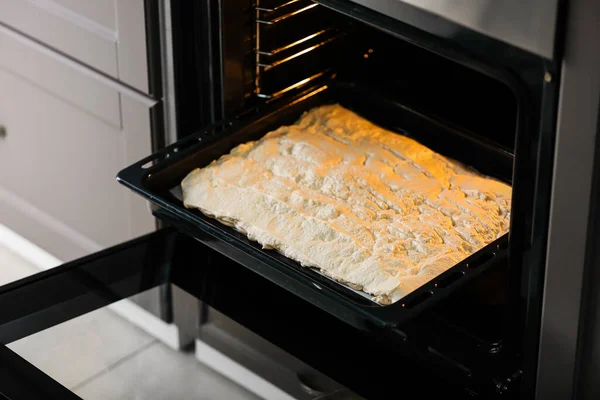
(244, 57)
(243, 54)
(299, 43)
(266, 53)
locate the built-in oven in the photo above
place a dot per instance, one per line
(479, 83)
(511, 90)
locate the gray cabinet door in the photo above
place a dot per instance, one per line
(108, 35)
(68, 132)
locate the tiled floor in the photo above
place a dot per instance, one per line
(13, 267)
(101, 356)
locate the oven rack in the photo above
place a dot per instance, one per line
(287, 35)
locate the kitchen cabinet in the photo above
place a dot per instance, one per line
(107, 35)
(68, 130)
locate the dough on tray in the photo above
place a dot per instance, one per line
(366, 206)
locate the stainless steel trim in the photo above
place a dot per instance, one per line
(570, 203)
(527, 24)
(168, 72)
(588, 347)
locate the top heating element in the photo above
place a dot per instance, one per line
(366, 206)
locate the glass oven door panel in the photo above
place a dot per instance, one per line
(59, 332)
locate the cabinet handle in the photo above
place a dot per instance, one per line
(2, 131)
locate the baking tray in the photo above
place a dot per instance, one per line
(157, 178)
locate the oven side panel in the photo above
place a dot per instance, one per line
(588, 347)
(570, 203)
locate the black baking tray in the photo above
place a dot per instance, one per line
(157, 178)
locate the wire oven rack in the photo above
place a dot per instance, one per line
(292, 46)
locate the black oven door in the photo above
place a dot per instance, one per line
(360, 361)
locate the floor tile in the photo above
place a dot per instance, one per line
(158, 372)
(76, 350)
(13, 267)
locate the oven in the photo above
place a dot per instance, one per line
(511, 90)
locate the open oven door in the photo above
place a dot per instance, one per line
(49, 298)
(52, 297)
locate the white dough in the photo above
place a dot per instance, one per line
(366, 206)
